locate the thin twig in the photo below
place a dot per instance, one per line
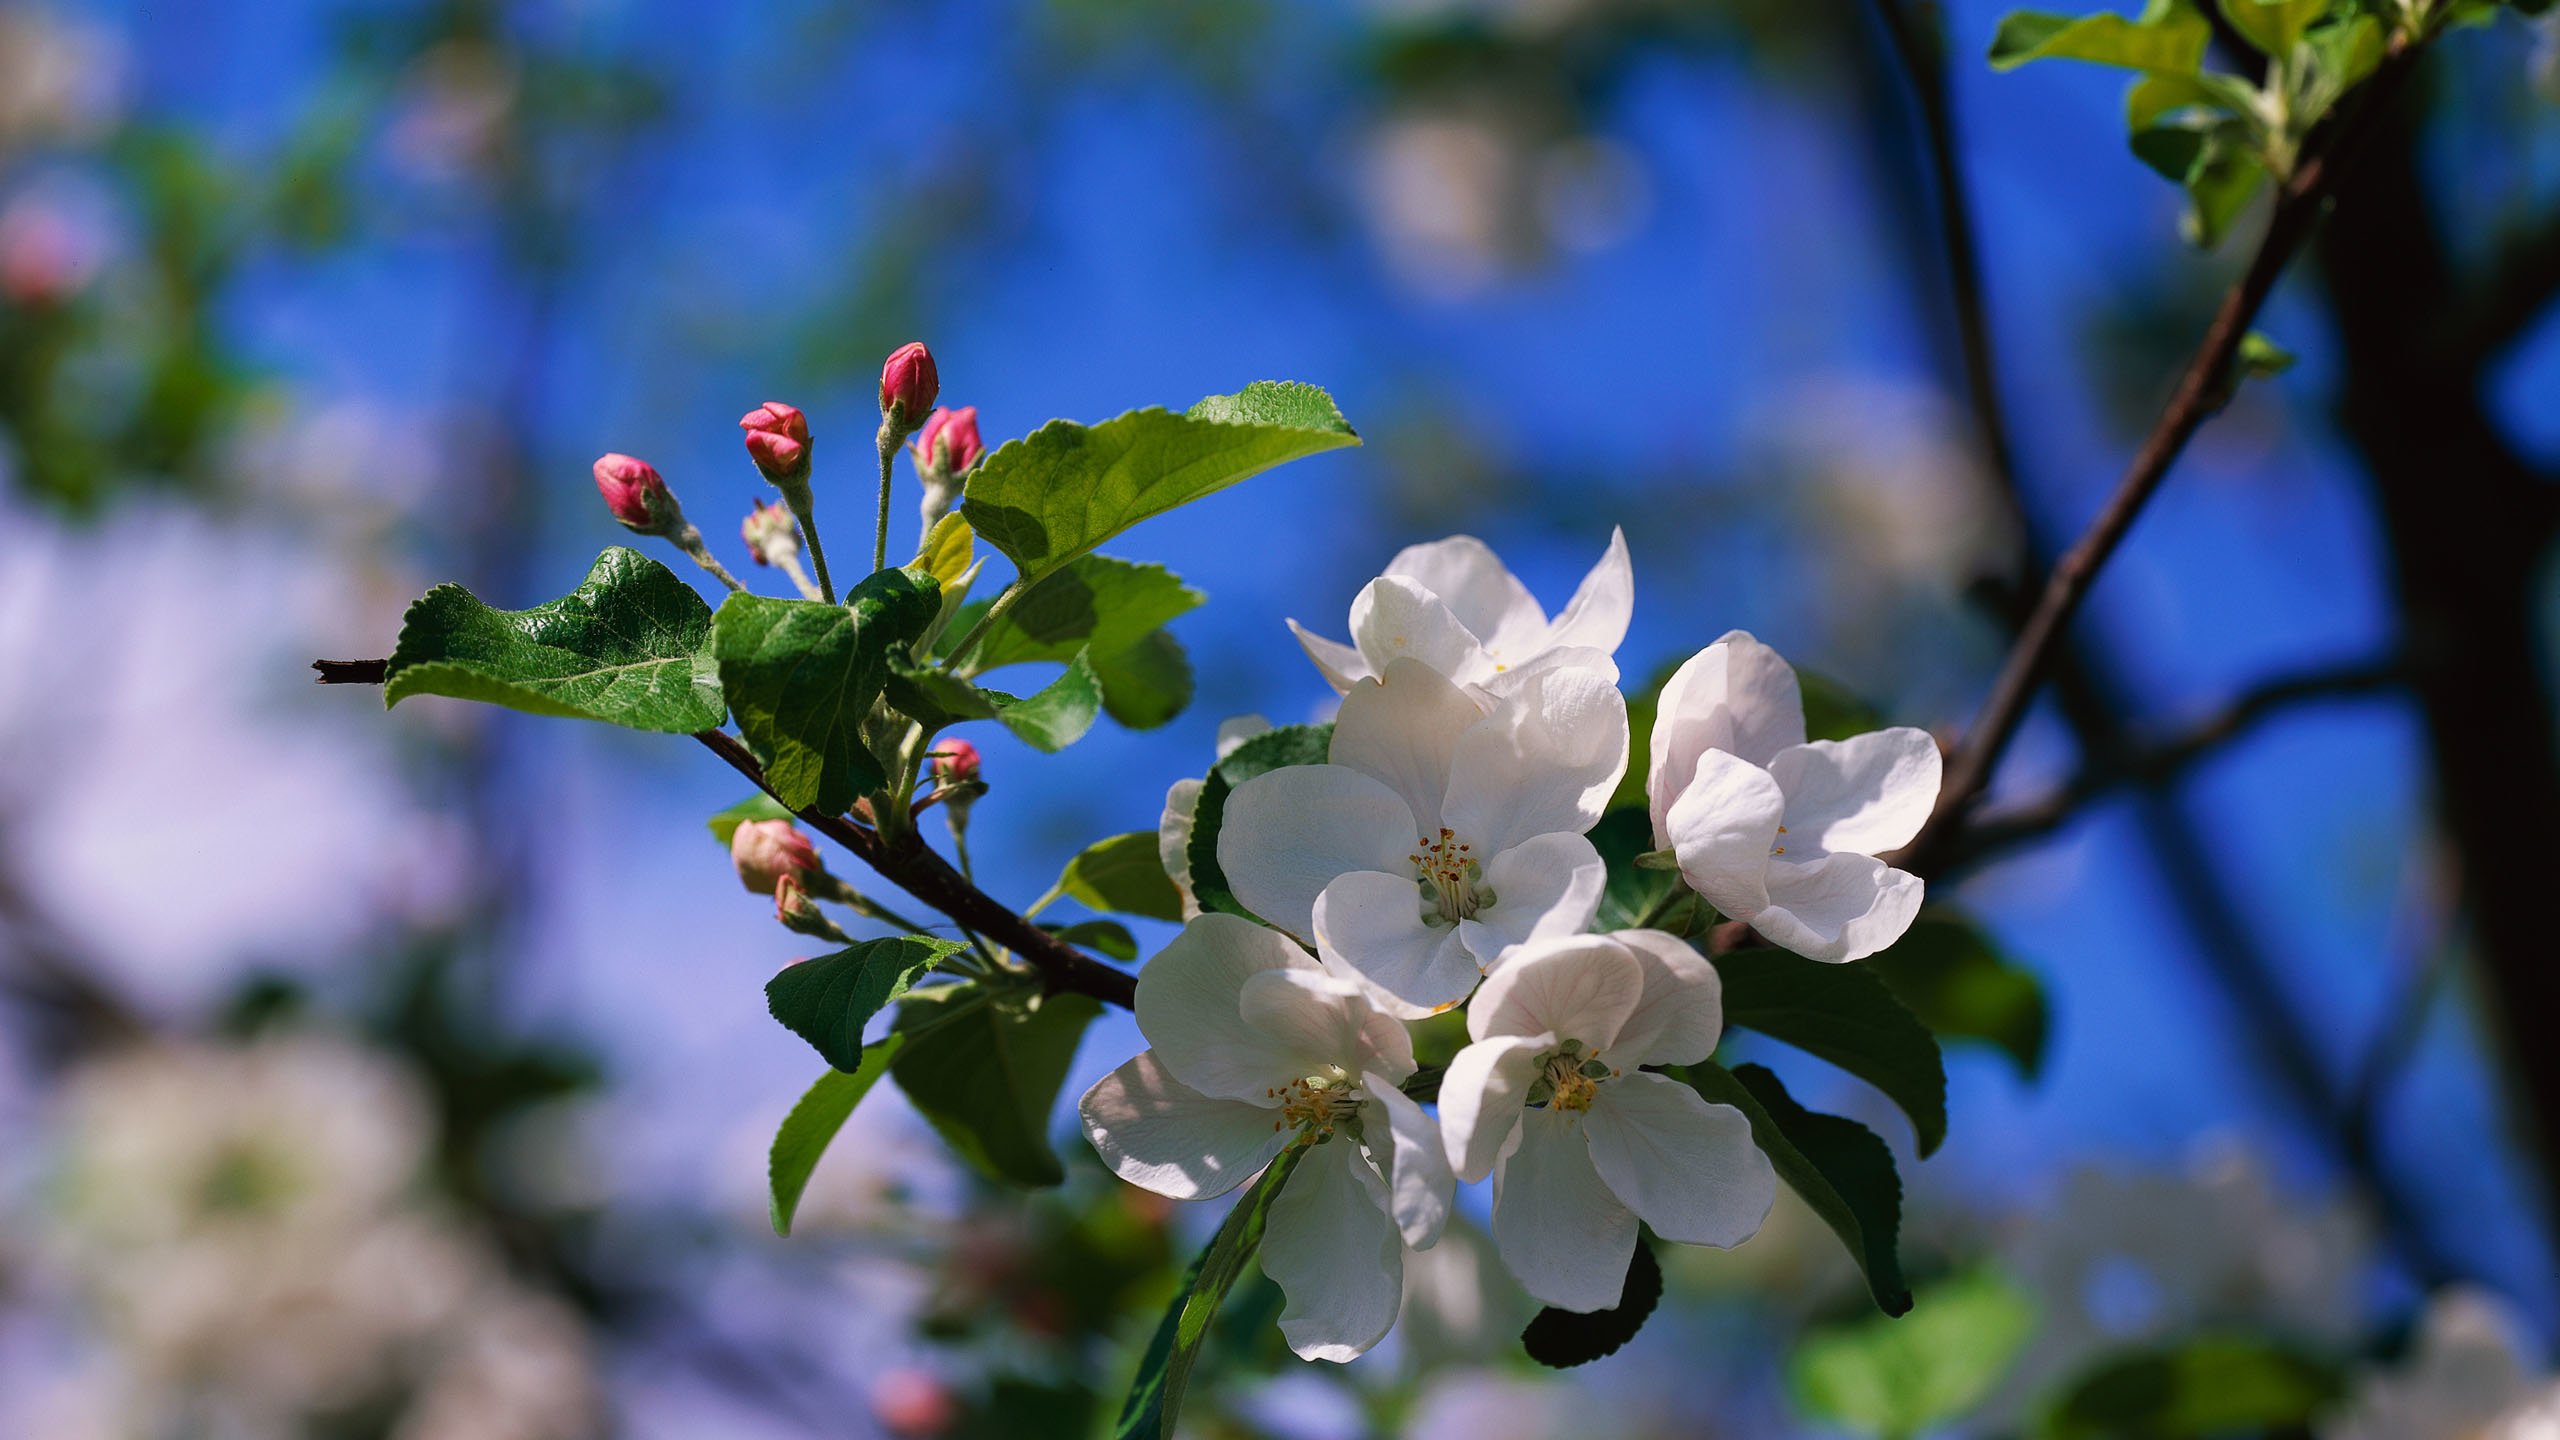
(2164, 760)
(2201, 391)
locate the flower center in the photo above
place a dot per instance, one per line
(1317, 1104)
(1450, 878)
(1569, 1078)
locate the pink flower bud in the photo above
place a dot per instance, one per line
(767, 852)
(771, 535)
(797, 912)
(637, 495)
(913, 1404)
(778, 441)
(948, 444)
(909, 384)
(955, 762)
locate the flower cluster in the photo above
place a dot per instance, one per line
(1440, 857)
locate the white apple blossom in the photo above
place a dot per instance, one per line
(1776, 832)
(1453, 606)
(1447, 828)
(1582, 1143)
(1256, 1047)
(2469, 1377)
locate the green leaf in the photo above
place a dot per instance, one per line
(1271, 750)
(1902, 1377)
(802, 677)
(1629, 893)
(1961, 987)
(2217, 163)
(755, 807)
(1848, 1016)
(1065, 488)
(988, 1079)
(630, 646)
(2273, 26)
(1838, 1166)
(1060, 714)
(1155, 1399)
(2347, 52)
(828, 1001)
(1562, 1339)
(1123, 875)
(1833, 711)
(2154, 97)
(2169, 38)
(812, 1125)
(2216, 1385)
(1095, 603)
(2261, 358)
(1146, 684)
(1103, 937)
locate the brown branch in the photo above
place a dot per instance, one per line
(2160, 761)
(2200, 392)
(350, 672)
(2523, 280)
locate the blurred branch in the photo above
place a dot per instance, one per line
(2522, 281)
(2164, 760)
(2201, 391)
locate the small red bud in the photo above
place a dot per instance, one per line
(948, 444)
(771, 534)
(955, 762)
(778, 441)
(909, 383)
(767, 852)
(636, 494)
(913, 1404)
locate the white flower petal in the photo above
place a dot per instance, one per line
(1510, 681)
(1601, 606)
(1681, 1015)
(1722, 831)
(1173, 839)
(1159, 1134)
(1687, 1168)
(1342, 665)
(1187, 1006)
(1314, 1017)
(1287, 833)
(1393, 618)
(1737, 696)
(1480, 1099)
(1237, 729)
(1560, 1230)
(1548, 885)
(1419, 1185)
(1479, 590)
(1369, 924)
(1575, 987)
(1545, 761)
(1867, 794)
(1334, 1253)
(1401, 728)
(1840, 907)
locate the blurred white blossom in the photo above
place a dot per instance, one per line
(2472, 1375)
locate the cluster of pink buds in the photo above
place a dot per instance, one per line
(773, 858)
(772, 536)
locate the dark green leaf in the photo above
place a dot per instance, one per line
(1146, 684)
(756, 807)
(1902, 1377)
(1063, 489)
(1271, 750)
(1103, 937)
(801, 677)
(1630, 893)
(1562, 1339)
(1839, 1166)
(2273, 26)
(828, 1001)
(1155, 1399)
(1962, 988)
(2169, 38)
(1123, 875)
(1833, 711)
(938, 700)
(2217, 1385)
(813, 1123)
(630, 646)
(1096, 603)
(1060, 714)
(1848, 1016)
(988, 1080)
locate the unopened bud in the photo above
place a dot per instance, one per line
(778, 441)
(909, 383)
(771, 534)
(955, 762)
(948, 445)
(637, 495)
(913, 1404)
(768, 851)
(800, 914)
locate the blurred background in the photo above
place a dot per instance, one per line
(410, 1076)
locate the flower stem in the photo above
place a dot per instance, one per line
(800, 579)
(804, 509)
(1004, 601)
(889, 438)
(689, 540)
